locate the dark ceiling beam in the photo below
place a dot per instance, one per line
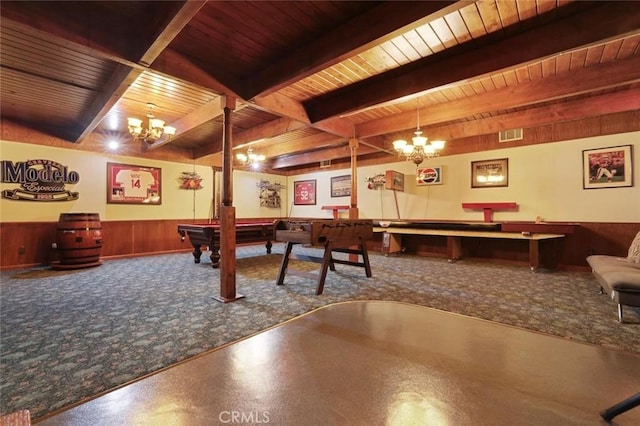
(593, 78)
(381, 23)
(244, 138)
(103, 102)
(333, 154)
(307, 143)
(284, 106)
(124, 76)
(604, 21)
(178, 66)
(207, 112)
(183, 14)
(265, 131)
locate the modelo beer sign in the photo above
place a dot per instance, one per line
(40, 180)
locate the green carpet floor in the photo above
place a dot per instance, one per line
(66, 336)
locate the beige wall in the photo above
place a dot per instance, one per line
(545, 180)
(92, 167)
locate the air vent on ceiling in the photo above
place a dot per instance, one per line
(510, 135)
(325, 163)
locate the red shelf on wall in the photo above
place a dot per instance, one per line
(335, 209)
(488, 208)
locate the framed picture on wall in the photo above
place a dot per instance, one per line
(490, 173)
(128, 184)
(429, 175)
(341, 186)
(394, 180)
(304, 192)
(610, 167)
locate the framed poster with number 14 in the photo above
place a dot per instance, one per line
(128, 184)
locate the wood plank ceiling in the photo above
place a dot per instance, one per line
(309, 75)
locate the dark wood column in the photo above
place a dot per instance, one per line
(227, 212)
(353, 209)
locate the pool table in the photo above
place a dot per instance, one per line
(208, 234)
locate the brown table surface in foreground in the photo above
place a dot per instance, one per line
(377, 363)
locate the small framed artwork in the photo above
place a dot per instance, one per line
(128, 184)
(607, 167)
(394, 180)
(429, 176)
(490, 173)
(304, 192)
(341, 186)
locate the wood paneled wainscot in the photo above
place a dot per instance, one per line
(27, 244)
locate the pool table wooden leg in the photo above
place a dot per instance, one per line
(215, 256)
(197, 253)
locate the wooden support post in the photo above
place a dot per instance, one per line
(353, 210)
(228, 256)
(227, 212)
(353, 146)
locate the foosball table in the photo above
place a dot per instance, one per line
(335, 236)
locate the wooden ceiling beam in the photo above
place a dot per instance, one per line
(268, 130)
(113, 90)
(124, 76)
(184, 13)
(307, 143)
(248, 137)
(176, 65)
(209, 111)
(604, 21)
(333, 153)
(580, 81)
(609, 103)
(383, 22)
(284, 106)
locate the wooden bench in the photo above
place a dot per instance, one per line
(454, 239)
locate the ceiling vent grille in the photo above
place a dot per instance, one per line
(325, 163)
(510, 135)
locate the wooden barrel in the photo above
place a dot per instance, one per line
(79, 239)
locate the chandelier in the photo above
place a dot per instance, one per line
(251, 160)
(155, 130)
(420, 149)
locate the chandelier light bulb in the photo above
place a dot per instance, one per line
(420, 148)
(156, 128)
(438, 144)
(252, 160)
